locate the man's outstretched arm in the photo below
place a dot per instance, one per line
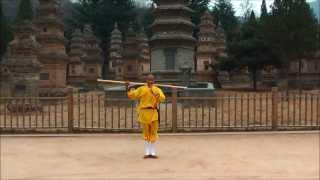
(133, 93)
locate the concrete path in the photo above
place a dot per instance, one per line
(220, 156)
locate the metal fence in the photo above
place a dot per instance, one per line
(96, 112)
(33, 113)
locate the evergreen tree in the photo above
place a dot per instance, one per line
(199, 7)
(103, 14)
(145, 18)
(25, 11)
(2, 29)
(246, 7)
(251, 51)
(318, 37)
(5, 32)
(69, 17)
(223, 12)
(264, 11)
(291, 29)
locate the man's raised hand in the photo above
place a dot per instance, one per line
(127, 83)
(157, 95)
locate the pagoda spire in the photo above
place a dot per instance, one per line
(116, 50)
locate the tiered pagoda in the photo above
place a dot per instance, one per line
(129, 60)
(206, 45)
(76, 74)
(172, 44)
(221, 41)
(210, 46)
(116, 50)
(20, 67)
(93, 58)
(53, 52)
(131, 55)
(145, 53)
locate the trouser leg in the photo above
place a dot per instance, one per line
(153, 136)
(150, 135)
(150, 131)
(145, 132)
(153, 131)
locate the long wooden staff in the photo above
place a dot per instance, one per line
(138, 83)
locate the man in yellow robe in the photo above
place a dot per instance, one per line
(149, 97)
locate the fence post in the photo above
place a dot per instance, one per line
(174, 110)
(70, 109)
(275, 100)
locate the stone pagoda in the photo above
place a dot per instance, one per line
(53, 52)
(93, 58)
(20, 67)
(116, 50)
(131, 56)
(76, 74)
(172, 44)
(210, 46)
(145, 53)
(206, 45)
(221, 41)
(129, 60)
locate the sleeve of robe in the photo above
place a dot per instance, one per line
(134, 94)
(162, 97)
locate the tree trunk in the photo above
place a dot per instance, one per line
(299, 75)
(285, 81)
(254, 79)
(216, 81)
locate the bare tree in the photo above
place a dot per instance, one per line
(246, 8)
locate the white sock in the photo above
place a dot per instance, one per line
(152, 149)
(147, 148)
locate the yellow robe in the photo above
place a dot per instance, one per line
(147, 99)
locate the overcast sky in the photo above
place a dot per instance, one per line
(256, 5)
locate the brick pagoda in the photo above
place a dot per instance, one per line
(76, 74)
(53, 52)
(172, 44)
(20, 67)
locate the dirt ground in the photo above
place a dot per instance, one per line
(219, 156)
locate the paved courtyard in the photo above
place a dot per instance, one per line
(216, 156)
